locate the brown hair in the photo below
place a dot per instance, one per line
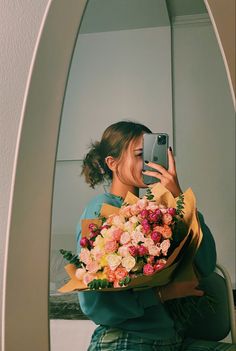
(115, 140)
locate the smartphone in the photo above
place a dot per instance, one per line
(155, 147)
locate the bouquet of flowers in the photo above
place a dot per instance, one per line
(147, 242)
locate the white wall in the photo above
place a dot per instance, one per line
(116, 75)
(204, 128)
(19, 26)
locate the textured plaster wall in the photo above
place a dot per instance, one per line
(19, 26)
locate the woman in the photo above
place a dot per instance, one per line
(131, 320)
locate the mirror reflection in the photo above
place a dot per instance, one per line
(141, 61)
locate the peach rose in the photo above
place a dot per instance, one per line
(120, 273)
(88, 277)
(167, 232)
(110, 246)
(92, 267)
(167, 218)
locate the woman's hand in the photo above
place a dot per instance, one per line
(168, 178)
(177, 290)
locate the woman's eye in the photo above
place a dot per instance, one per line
(139, 155)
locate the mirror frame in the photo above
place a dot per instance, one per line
(26, 276)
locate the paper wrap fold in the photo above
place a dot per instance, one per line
(179, 266)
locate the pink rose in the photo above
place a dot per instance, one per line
(144, 213)
(142, 250)
(156, 236)
(151, 259)
(160, 264)
(172, 211)
(110, 246)
(133, 250)
(148, 269)
(146, 226)
(153, 217)
(85, 256)
(84, 242)
(92, 267)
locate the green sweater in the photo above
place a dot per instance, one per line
(139, 312)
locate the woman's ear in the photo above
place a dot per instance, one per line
(111, 163)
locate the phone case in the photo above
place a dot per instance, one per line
(155, 147)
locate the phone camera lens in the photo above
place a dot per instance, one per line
(161, 140)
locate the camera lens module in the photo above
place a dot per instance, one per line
(161, 140)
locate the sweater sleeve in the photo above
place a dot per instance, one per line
(205, 259)
(112, 308)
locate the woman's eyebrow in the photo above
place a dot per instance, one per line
(139, 149)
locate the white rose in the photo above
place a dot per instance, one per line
(113, 261)
(128, 226)
(138, 236)
(125, 238)
(128, 262)
(165, 246)
(79, 273)
(148, 242)
(154, 250)
(134, 219)
(118, 221)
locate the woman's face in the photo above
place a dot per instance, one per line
(131, 165)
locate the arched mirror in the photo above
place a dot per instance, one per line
(152, 61)
(145, 61)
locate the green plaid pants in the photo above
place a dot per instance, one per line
(112, 339)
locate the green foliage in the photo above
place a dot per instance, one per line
(99, 284)
(149, 194)
(73, 259)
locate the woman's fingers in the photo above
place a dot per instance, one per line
(171, 160)
(153, 174)
(158, 167)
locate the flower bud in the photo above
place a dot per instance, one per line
(84, 242)
(92, 227)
